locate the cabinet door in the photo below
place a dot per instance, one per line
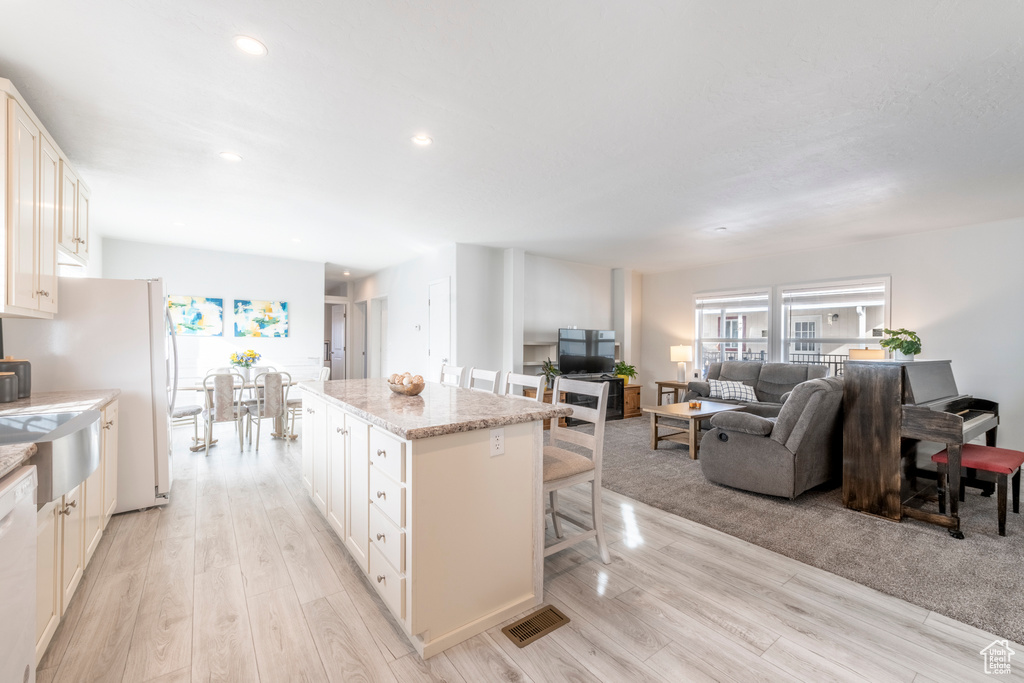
(49, 217)
(337, 449)
(23, 185)
(110, 424)
(47, 576)
(82, 222)
(309, 430)
(321, 464)
(68, 207)
(357, 494)
(72, 556)
(92, 517)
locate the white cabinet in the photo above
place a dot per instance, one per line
(314, 445)
(357, 497)
(43, 204)
(92, 518)
(337, 455)
(72, 563)
(109, 431)
(47, 575)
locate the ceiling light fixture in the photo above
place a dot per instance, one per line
(250, 46)
(346, 273)
(722, 229)
(422, 140)
(230, 156)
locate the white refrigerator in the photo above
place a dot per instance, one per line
(112, 334)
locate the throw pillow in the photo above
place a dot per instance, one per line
(734, 391)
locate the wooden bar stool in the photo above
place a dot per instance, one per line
(1001, 461)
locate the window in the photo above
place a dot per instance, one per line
(822, 322)
(732, 326)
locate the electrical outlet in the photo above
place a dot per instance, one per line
(497, 442)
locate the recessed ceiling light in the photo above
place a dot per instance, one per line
(346, 273)
(722, 229)
(230, 156)
(250, 46)
(422, 139)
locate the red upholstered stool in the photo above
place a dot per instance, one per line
(1001, 461)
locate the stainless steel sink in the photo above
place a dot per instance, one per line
(68, 448)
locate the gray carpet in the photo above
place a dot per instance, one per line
(978, 580)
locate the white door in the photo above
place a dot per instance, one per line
(358, 338)
(440, 324)
(377, 337)
(339, 315)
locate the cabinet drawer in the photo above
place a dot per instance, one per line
(387, 452)
(388, 583)
(388, 538)
(388, 496)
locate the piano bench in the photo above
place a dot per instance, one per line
(1001, 461)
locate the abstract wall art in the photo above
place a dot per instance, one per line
(261, 318)
(196, 315)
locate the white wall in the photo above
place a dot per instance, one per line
(479, 279)
(199, 272)
(406, 287)
(562, 293)
(961, 290)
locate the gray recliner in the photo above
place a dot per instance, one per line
(783, 456)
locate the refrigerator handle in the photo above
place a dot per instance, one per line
(174, 352)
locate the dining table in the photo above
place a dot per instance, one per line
(280, 423)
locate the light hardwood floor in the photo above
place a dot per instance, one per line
(240, 579)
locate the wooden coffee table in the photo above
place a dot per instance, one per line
(690, 435)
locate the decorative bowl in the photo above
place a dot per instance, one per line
(407, 389)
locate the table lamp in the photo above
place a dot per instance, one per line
(681, 355)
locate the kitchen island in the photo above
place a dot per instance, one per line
(438, 498)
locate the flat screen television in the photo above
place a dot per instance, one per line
(586, 351)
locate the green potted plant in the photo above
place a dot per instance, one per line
(550, 371)
(625, 371)
(903, 343)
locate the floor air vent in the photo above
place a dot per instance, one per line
(537, 625)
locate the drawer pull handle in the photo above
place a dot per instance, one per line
(108, 425)
(382, 453)
(380, 578)
(342, 430)
(381, 494)
(380, 537)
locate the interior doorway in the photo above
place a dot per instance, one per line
(357, 334)
(337, 345)
(377, 338)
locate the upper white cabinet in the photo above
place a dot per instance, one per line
(44, 205)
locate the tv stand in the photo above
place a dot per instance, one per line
(616, 396)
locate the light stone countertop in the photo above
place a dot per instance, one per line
(14, 455)
(438, 410)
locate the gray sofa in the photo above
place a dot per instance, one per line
(771, 382)
(784, 456)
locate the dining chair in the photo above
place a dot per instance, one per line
(564, 468)
(451, 375)
(224, 395)
(514, 380)
(477, 377)
(185, 414)
(271, 401)
(295, 404)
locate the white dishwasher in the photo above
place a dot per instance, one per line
(18, 576)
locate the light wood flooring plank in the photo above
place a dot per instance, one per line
(259, 555)
(543, 660)
(180, 676)
(133, 543)
(99, 647)
(605, 583)
(45, 675)
(215, 534)
(162, 641)
(284, 647)
(608, 615)
(311, 573)
(479, 659)
(346, 648)
(437, 669)
(222, 648)
(178, 517)
(808, 666)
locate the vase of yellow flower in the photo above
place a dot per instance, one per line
(244, 362)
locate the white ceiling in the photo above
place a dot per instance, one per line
(612, 133)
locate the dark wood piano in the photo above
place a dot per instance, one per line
(889, 406)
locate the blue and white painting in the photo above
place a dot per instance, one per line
(261, 318)
(196, 315)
